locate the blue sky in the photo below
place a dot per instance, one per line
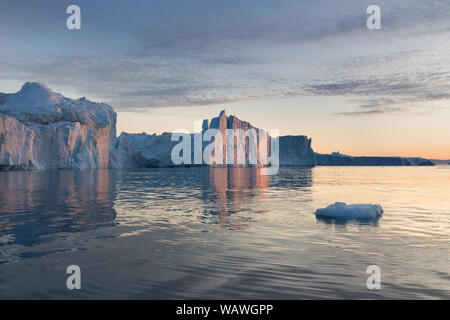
(306, 67)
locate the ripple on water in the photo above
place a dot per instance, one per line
(223, 233)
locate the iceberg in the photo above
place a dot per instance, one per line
(339, 159)
(340, 210)
(151, 150)
(296, 151)
(42, 129)
(144, 150)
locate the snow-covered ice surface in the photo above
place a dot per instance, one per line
(340, 210)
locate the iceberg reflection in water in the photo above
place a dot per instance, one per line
(37, 204)
(222, 233)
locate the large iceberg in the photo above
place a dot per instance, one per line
(296, 151)
(41, 129)
(340, 210)
(144, 150)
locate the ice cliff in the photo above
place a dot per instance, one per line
(41, 129)
(143, 150)
(296, 151)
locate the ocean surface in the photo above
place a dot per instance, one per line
(200, 233)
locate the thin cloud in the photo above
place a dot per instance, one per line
(184, 53)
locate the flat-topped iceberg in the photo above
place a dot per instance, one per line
(339, 159)
(340, 210)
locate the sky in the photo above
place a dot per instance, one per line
(303, 67)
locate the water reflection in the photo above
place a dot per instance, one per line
(293, 178)
(343, 222)
(174, 234)
(235, 185)
(34, 205)
(233, 191)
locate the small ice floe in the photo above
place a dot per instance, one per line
(340, 210)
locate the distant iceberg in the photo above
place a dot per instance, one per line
(340, 210)
(339, 159)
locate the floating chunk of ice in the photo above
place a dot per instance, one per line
(340, 210)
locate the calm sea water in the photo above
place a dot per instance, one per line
(223, 233)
